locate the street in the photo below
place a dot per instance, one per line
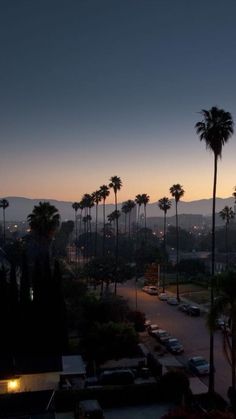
(191, 331)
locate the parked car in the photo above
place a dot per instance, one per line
(221, 324)
(184, 307)
(89, 409)
(163, 296)
(198, 365)
(152, 328)
(194, 311)
(150, 289)
(147, 323)
(174, 346)
(172, 301)
(161, 335)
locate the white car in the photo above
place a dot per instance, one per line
(163, 296)
(198, 365)
(152, 328)
(172, 301)
(150, 289)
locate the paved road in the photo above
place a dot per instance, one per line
(191, 331)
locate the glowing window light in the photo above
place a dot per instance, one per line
(13, 385)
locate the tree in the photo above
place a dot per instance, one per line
(97, 197)
(227, 214)
(116, 185)
(145, 201)
(138, 200)
(130, 206)
(4, 204)
(75, 207)
(125, 210)
(44, 221)
(104, 190)
(177, 192)
(164, 204)
(215, 128)
(234, 194)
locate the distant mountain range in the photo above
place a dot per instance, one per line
(19, 208)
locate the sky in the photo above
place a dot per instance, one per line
(95, 88)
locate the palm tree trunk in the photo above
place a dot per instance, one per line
(164, 273)
(116, 250)
(145, 222)
(76, 238)
(212, 372)
(96, 231)
(104, 222)
(125, 222)
(4, 227)
(129, 222)
(177, 250)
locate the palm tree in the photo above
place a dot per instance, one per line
(104, 190)
(177, 192)
(125, 210)
(139, 201)
(75, 207)
(4, 204)
(227, 214)
(96, 198)
(215, 128)
(130, 206)
(44, 221)
(145, 201)
(164, 204)
(116, 185)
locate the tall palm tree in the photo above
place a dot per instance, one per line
(164, 204)
(96, 198)
(145, 201)
(177, 192)
(104, 190)
(138, 200)
(125, 210)
(75, 207)
(130, 206)
(227, 214)
(4, 204)
(215, 128)
(116, 185)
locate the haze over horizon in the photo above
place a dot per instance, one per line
(94, 89)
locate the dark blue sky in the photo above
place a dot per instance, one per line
(93, 88)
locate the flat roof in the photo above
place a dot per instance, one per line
(73, 365)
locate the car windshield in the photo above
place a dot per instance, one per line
(173, 342)
(199, 362)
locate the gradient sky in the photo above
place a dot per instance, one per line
(95, 88)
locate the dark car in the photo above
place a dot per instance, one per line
(198, 365)
(174, 346)
(184, 307)
(194, 311)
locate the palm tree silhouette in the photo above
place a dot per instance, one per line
(138, 200)
(164, 204)
(215, 128)
(4, 204)
(96, 198)
(116, 185)
(130, 206)
(227, 214)
(177, 192)
(75, 207)
(234, 194)
(145, 200)
(44, 221)
(125, 210)
(104, 190)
